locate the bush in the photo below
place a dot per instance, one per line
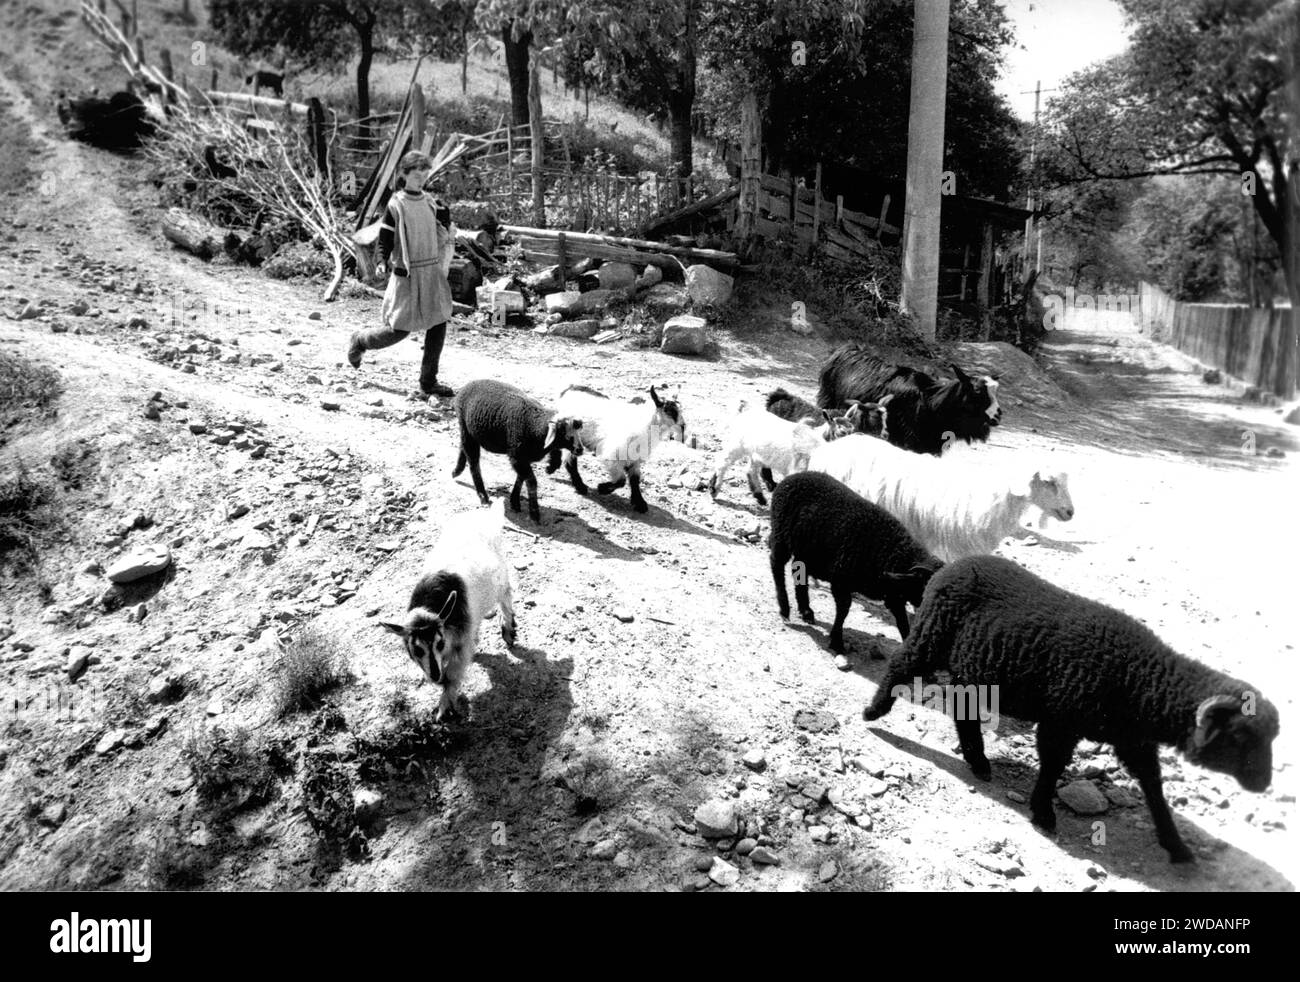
(298, 259)
(312, 664)
(25, 386)
(230, 769)
(25, 512)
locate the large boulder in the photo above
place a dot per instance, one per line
(511, 301)
(650, 276)
(616, 275)
(706, 286)
(685, 335)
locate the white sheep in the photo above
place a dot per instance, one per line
(621, 435)
(957, 505)
(465, 578)
(771, 444)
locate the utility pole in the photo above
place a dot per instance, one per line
(920, 293)
(1029, 197)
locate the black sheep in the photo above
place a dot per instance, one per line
(499, 418)
(923, 409)
(263, 79)
(1080, 669)
(834, 534)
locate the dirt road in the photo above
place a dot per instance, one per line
(651, 657)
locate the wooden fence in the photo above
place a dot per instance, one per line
(1256, 344)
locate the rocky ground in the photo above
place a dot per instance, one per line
(657, 726)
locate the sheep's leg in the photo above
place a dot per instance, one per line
(754, 488)
(843, 601)
(634, 480)
(779, 556)
(898, 608)
(524, 475)
(725, 462)
(1055, 748)
(972, 743)
(451, 679)
(505, 604)
(905, 666)
(471, 450)
(571, 465)
(1143, 762)
(766, 475)
(801, 594)
(606, 487)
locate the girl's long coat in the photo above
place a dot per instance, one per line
(421, 299)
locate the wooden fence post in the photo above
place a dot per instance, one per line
(316, 134)
(537, 137)
(884, 210)
(751, 162)
(817, 205)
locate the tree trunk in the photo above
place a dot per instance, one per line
(681, 100)
(191, 233)
(367, 33)
(464, 57)
(517, 70)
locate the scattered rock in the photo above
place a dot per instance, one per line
(828, 871)
(163, 688)
(717, 819)
(1017, 797)
(139, 564)
(723, 873)
(606, 849)
(78, 662)
(329, 405)
(745, 846)
(110, 741)
(685, 335)
(820, 833)
(53, 815)
(764, 856)
(581, 329)
(816, 721)
(1083, 798)
(650, 276)
(616, 275)
(623, 615)
(215, 706)
(1211, 376)
(314, 315)
(754, 759)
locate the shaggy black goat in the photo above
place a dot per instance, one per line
(499, 418)
(922, 409)
(262, 79)
(1079, 669)
(119, 122)
(836, 535)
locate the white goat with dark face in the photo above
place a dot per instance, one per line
(621, 435)
(466, 577)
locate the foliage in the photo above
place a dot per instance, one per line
(1201, 90)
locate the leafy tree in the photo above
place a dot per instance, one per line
(1203, 89)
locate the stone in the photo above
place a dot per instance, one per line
(110, 741)
(78, 662)
(717, 819)
(137, 565)
(706, 286)
(820, 833)
(745, 846)
(1000, 864)
(582, 330)
(616, 275)
(875, 787)
(1120, 798)
(685, 335)
(53, 815)
(764, 856)
(366, 804)
(314, 315)
(1211, 376)
(161, 688)
(754, 759)
(623, 616)
(489, 299)
(828, 871)
(571, 302)
(605, 849)
(215, 706)
(30, 311)
(255, 540)
(1017, 797)
(723, 873)
(650, 276)
(1083, 798)
(868, 764)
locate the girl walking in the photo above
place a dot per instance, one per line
(416, 243)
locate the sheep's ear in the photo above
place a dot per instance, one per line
(654, 397)
(550, 435)
(448, 607)
(396, 628)
(1212, 718)
(961, 376)
(826, 415)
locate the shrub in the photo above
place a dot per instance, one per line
(230, 769)
(310, 665)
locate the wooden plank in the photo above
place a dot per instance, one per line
(770, 229)
(704, 204)
(884, 211)
(774, 205)
(774, 184)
